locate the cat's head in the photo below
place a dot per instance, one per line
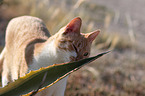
(70, 39)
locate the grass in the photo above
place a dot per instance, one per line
(121, 73)
(115, 75)
(93, 16)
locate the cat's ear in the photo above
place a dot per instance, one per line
(73, 26)
(91, 36)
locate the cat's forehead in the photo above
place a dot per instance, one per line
(71, 35)
(76, 37)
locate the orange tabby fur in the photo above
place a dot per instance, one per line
(30, 47)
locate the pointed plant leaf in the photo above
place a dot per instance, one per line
(32, 80)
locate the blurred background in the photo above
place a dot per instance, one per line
(122, 24)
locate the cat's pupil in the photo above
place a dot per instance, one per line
(86, 54)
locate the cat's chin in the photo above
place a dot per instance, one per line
(72, 59)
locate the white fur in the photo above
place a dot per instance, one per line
(50, 55)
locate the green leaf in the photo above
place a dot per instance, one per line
(33, 79)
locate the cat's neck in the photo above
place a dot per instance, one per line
(48, 53)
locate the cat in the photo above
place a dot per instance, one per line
(29, 46)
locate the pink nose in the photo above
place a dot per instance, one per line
(79, 58)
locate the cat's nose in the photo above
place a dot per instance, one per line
(79, 58)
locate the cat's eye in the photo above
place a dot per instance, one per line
(86, 54)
